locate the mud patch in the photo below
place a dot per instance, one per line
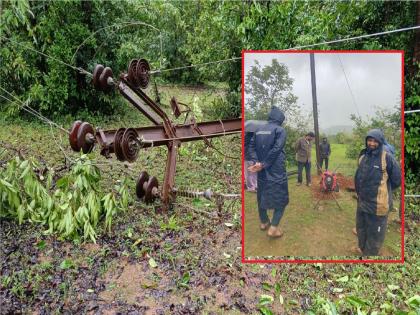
(345, 183)
(92, 247)
(134, 283)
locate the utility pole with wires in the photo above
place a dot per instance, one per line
(315, 110)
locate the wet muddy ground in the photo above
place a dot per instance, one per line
(191, 266)
(315, 224)
(167, 272)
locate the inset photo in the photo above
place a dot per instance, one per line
(323, 156)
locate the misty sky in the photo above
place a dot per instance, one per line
(375, 80)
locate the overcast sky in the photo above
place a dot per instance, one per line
(375, 80)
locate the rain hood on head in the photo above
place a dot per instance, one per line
(376, 134)
(276, 115)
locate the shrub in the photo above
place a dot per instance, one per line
(72, 206)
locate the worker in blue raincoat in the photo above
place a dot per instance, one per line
(376, 177)
(391, 150)
(266, 151)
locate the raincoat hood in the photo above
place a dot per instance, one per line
(276, 115)
(378, 135)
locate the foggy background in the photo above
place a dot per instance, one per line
(374, 79)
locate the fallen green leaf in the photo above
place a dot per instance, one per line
(66, 264)
(266, 299)
(152, 263)
(343, 279)
(265, 311)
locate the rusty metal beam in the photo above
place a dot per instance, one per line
(124, 142)
(156, 135)
(138, 103)
(144, 97)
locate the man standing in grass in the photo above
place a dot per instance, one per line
(325, 151)
(266, 152)
(377, 175)
(303, 149)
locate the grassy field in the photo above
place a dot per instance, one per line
(196, 249)
(338, 161)
(323, 232)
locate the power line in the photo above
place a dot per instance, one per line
(79, 69)
(32, 111)
(341, 40)
(412, 111)
(124, 24)
(196, 65)
(358, 37)
(25, 109)
(348, 84)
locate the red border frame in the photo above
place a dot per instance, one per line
(265, 261)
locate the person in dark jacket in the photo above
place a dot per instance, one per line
(303, 148)
(324, 151)
(377, 175)
(391, 150)
(266, 151)
(250, 177)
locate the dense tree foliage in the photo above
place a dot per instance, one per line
(412, 128)
(389, 122)
(174, 34)
(269, 86)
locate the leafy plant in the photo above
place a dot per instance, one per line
(172, 224)
(263, 303)
(71, 207)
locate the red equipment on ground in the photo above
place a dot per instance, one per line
(329, 185)
(329, 181)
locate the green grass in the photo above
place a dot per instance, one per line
(314, 233)
(325, 232)
(338, 161)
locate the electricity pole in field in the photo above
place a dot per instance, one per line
(315, 110)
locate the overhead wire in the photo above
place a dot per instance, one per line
(25, 109)
(348, 85)
(25, 106)
(51, 124)
(79, 69)
(124, 24)
(412, 111)
(340, 40)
